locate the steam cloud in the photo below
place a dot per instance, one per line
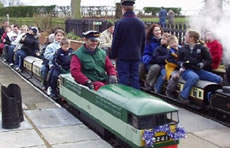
(215, 21)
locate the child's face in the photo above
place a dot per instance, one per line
(174, 44)
(163, 40)
(59, 36)
(65, 47)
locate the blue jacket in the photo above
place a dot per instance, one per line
(149, 49)
(163, 14)
(129, 38)
(50, 51)
(61, 60)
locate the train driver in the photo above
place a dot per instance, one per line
(90, 65)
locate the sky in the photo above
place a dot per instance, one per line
(188, 7)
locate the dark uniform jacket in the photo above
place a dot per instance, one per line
(61, 60)
(129, 38)
(190, 58)
(30, 45)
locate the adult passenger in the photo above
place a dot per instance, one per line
(90, 65)
(106, 38)
(3, 42)
(128, 45)
(11, 39)
(4, 26)
(215, 49)
(194, 57)
(154, 35)
(23, 30)
(29, 47)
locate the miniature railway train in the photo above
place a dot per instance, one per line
(135, 117)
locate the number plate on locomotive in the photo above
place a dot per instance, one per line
(162, 138)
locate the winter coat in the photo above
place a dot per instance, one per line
(129, 38)
(192, 57)
(150, 46)
(30, 45)
(159, 55)
(216, 52)
(61, 60)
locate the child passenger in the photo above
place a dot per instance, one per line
(172, 74)
(159, 57)
(61, 64)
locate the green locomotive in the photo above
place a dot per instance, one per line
(135, 117)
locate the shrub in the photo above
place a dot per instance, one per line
(72, 36)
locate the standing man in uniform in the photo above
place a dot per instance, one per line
(128, 45)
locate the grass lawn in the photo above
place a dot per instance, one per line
(155, 19)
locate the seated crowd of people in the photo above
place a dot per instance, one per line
(163, 60)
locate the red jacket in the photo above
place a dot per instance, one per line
(216, 51)
(79, 77)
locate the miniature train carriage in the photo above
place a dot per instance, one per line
(221, 100)
(202, 92)
(28, 63)
(135, 117)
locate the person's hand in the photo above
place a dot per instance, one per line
(89, 84)
(181, 70)
(23, 38)
(38, 54)
(201, 65)
(112, 79)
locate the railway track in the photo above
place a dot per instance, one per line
(204, 111)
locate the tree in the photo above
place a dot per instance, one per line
(1, 5)
(11, 2)
(75, 9)
(118, 12)
(65, 10)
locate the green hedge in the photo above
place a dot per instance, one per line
(27, 11)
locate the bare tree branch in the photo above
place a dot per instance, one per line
(11, 2)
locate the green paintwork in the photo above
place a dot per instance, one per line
(119, 128)
(94, 97)
(118, 99)
(135, 101)
(109, 107)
